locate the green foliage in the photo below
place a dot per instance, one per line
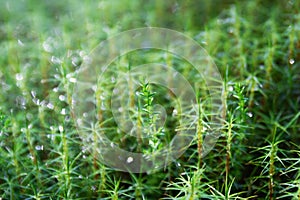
(4, 122)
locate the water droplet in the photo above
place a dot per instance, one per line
(50, 44)
(36, 101)
(87, 59)
(56, 60)
(67, 118)
(29, 116)
(47, 47)
(31, 157)
(44, 104)
(230, 30)
(55, 89)
(33, 93)
(79, 122)
(60, 128)
(120, 109)
(68, 76)
(94, 88)
(39, 147)
(75, 61)
(102, 97)
(50, 106)
(116, 91)
(261, 66)
(112, 145)
(20, 42)
(56, 76)
(50, 136)
(44, 81)
(69, 53)
(129, 160)
(23, 130)
(63, 111)
(21, 102)
(62, 97)
(292, 61)
(174, 113)
(30, 126)
(82, 53)
(230, 88)
(113, 79)
(204, 42)
(19, 77)
(250, 114)
(73, 80)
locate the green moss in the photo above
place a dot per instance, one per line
(256, 47)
